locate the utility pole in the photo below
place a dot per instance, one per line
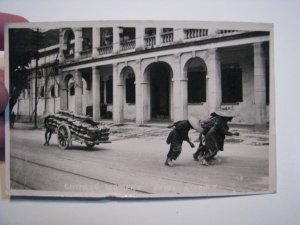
(36, 77)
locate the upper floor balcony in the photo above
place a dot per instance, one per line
(77, 44)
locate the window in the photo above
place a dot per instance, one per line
(196, 87)
(42, 92)
(150, 32)
(167, 30)
(87, 39)
(52, 91)
(106, 36)
(130, 90)
(127, 34)
(72, 89)
(70, 44)
(231, 83)
(109, 91)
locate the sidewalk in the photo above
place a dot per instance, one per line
(249, 135)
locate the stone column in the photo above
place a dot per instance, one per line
(78, 92)
(177, 107)
(96, 94)
(157, 37)
(62, 46)
(138, 93)
(259, 84)
(116, 40)
(96, 41)
(31, 97)
(184, 98)
(214, 80)
(139, 38)
(47, 93)
(63, 93)
(116, 103)
(78, 42)
(120, 95)
(178, 35)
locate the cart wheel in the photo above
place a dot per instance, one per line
(89, 144)
(63, 136)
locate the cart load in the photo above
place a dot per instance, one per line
(72, 127)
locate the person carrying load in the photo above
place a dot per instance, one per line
(214, 138)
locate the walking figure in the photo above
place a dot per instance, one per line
(176, 138)
(49, 130)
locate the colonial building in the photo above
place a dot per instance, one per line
(147, 73)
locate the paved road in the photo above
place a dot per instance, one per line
(133, 165)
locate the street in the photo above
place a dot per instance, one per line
(133, 164)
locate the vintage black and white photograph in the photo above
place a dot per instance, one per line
(140, 109)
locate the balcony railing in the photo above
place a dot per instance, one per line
(150, 41)
(195, 33)
(104, 50)
(126, 45)
(86, 53)
(167, 37)
(226, 31)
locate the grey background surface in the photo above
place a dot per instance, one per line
(280, 208)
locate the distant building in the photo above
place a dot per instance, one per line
(155, 73)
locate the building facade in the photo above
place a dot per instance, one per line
(152, 73)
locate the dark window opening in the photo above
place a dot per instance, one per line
(42, 91)
(150, 32)
(72, 89)
(231, 83)
(70, 44)
(52, 91)
(196, 87)
(87, 39)
(167, 30)
(109, 91)
(130, 90)
(127, 34)
(106, 36)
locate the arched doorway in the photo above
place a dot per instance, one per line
(159, 79)
(127, 94)
(195, 71)
(69, 86)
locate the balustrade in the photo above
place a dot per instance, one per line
(86, 53)
(126, 45)
(150, 41)
(195, 33)
(103, 50)
(226, 31)
(167, 37)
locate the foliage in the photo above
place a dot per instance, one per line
(23, 46)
